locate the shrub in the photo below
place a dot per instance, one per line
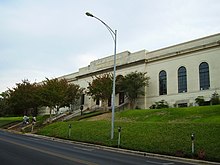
(159, 105)
(200, 100)
(215, 99)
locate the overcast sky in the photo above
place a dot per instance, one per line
(51, 38)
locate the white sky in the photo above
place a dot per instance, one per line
(51, 38)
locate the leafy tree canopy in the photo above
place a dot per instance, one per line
(26, 98)
(22, 98)
(59, 93)
(132, 84)
(101, 87)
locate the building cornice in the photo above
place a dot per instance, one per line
(110, 69)
(185, 51)
(144, 57)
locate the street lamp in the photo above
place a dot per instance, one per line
(114, 36)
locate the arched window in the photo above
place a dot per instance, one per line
(182, 80)
(204, 76)
(162, 83)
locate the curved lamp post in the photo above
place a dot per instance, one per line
(114, 36)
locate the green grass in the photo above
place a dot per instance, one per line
(4, 121)
(164, 131)
(88, 115)
(205, 114)
(8, 120)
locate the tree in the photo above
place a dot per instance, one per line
(132, 84)
(22, 98)
(4, 103)
(37, 101)
(54, 93)
(118, 84)
(59, 93)
(73, 94)
(101, 88)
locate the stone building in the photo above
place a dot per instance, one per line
(178, 74)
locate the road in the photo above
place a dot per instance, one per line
(17, 149)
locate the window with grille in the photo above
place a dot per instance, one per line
(182, 80)
(204, 76)
(162, 83)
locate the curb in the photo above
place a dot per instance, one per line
(132, 152)
(12, 131)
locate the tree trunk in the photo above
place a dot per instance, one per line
(50, 114)
(57, 109)
(105, 105)
(132, 104)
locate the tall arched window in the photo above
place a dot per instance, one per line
(204, 76)
(182, 80)
(162, 83)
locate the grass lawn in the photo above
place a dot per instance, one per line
(7, 120)
(10, 120)
(164, 131)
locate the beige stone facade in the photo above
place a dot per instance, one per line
(189, 56)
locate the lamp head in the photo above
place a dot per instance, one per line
(89, 14)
